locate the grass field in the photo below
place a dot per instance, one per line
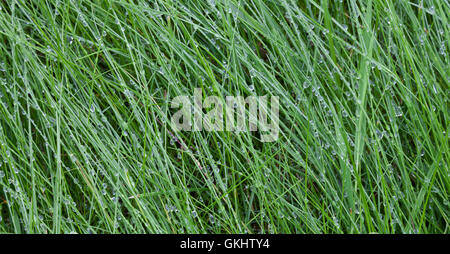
(86, 144)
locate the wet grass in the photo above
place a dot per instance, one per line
(85, 144)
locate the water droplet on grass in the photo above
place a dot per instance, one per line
(211, 219)
(431, 10)
(345, 27)
(306, 84)
(442, 49)
(345, 113)
(212, 4)
(398, 111)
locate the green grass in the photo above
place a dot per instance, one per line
(86, 145)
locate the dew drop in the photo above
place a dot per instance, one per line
(306, 84)
(398, 111)
(345, 27)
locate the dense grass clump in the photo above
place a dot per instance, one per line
(86, 145)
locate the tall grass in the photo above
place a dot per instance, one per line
(86, 145)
